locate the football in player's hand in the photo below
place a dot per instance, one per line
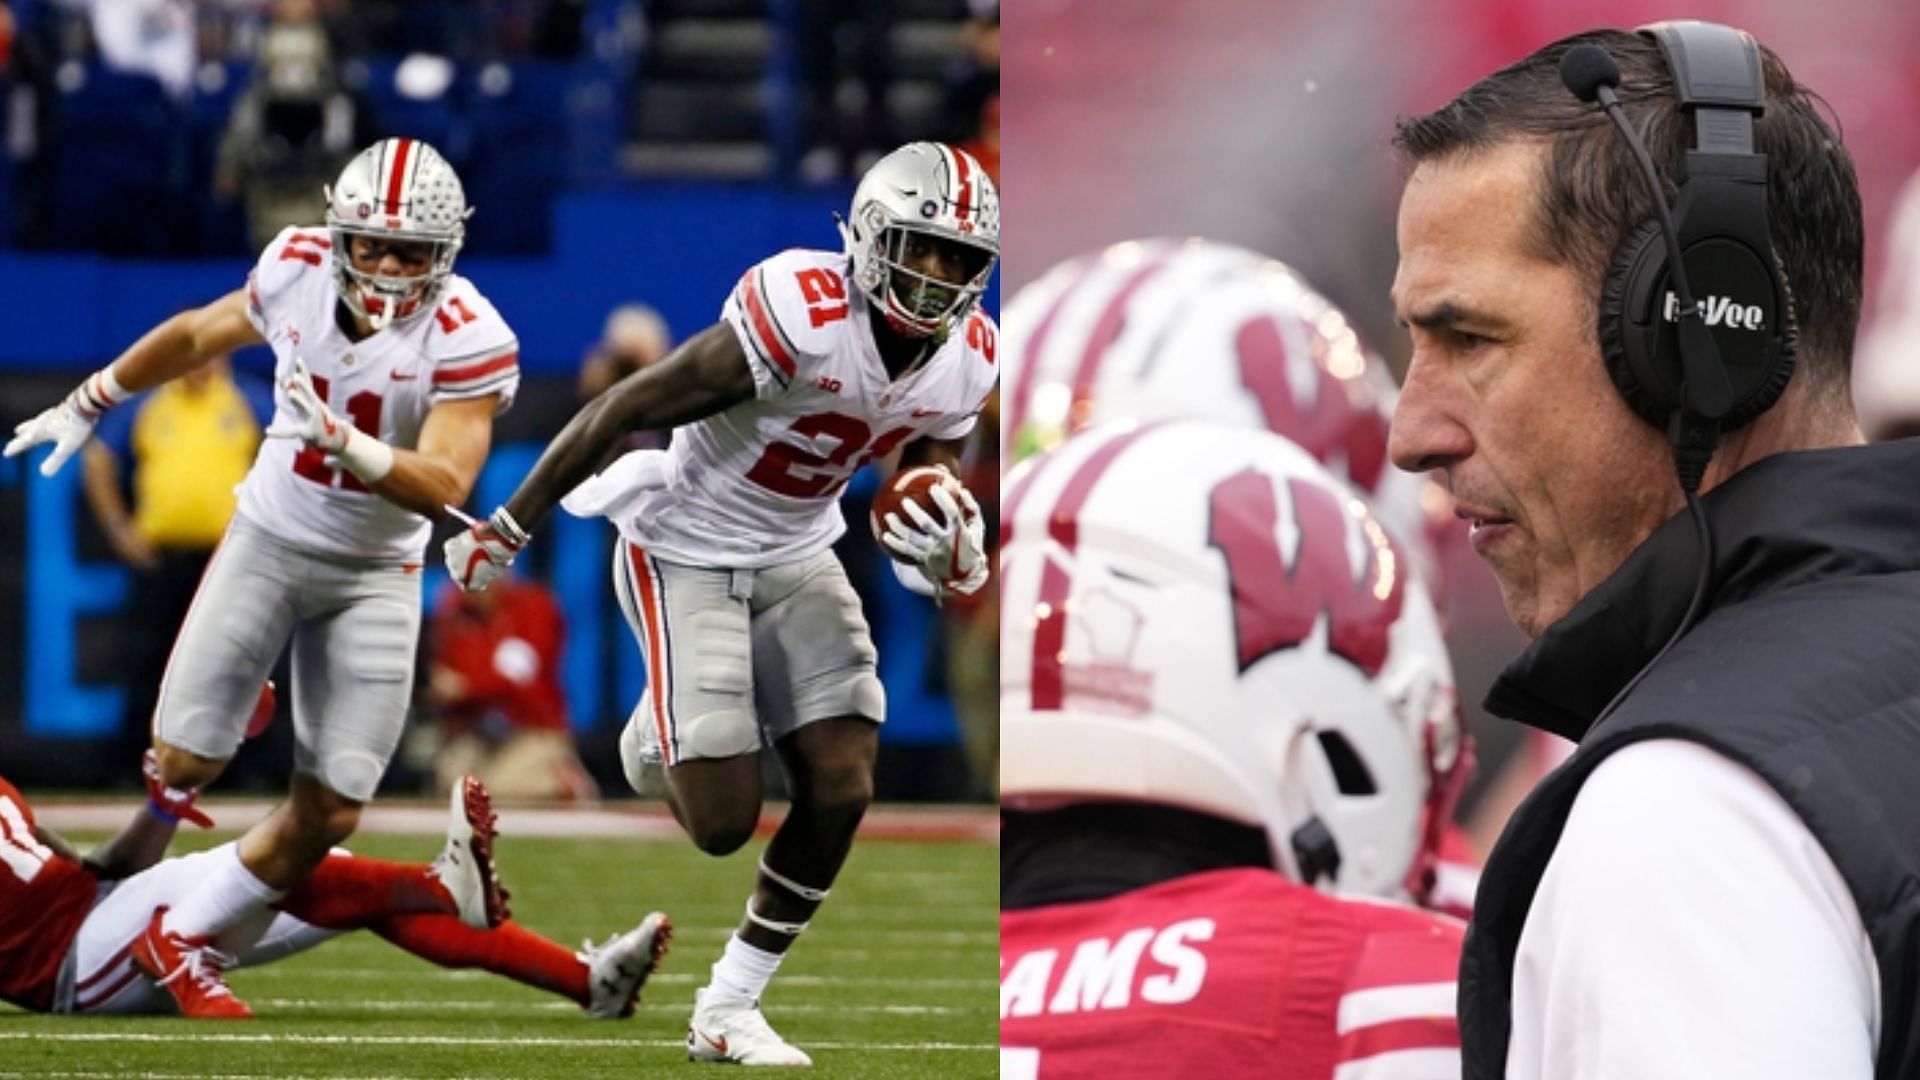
(916, 484)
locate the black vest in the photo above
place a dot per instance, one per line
(1805, 668)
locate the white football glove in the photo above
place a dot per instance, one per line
(69, 424)
(312, 422)
(476, 558)
(951, 554)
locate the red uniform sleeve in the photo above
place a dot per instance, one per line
(1398, 1010)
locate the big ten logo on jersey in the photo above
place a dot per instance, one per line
(364, 410)
(1155, 966)
(826, 294)
(1276, 606)
(787, 469)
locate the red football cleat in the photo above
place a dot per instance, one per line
(190, 969)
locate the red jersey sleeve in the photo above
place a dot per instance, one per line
(44, 897)
(1397, 1011)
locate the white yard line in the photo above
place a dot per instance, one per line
(635, 821)
(435, 1040)
(330, 974)
(496, 1005)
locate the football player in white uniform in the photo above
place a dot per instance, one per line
(389, 370)
(821, 362)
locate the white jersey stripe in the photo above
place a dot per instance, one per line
(1426, 1063)
(493, 352)
(1385, 1004)
(477, 388)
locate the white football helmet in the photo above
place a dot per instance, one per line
(1199, 330)
(930, 189)
(396, 189)
(1203, 617)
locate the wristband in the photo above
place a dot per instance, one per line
(365, 456)
(509, 529)
(161, 812)
(100, 392)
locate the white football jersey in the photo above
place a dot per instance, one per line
(383, 385)
(758, 484)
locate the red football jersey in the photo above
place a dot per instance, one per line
(44, 898)
(1225, 974)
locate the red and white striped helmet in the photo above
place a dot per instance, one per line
(935, 190)
(1203, 617)
(1199, 330)
(399, 189)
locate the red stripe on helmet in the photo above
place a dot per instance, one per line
(964, 177)
(1107, 330)
(1030, 355)
(397, 176)
(1063, 524)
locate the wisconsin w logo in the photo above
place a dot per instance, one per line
(1275, 606)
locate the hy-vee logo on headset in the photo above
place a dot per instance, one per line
(1720, 311)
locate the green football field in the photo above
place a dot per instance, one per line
(894, 979)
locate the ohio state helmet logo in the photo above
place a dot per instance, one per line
(1276, 606)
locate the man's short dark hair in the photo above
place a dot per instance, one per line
(1593, 196)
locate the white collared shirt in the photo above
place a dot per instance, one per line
(1689, 925)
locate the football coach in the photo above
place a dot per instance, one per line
(1630, 264)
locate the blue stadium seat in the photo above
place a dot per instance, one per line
(117, 165)
(519, 155)
(437, 120)
(221, 226)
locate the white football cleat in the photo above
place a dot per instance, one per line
(465, 865)
(617, 969)
(735, 1031)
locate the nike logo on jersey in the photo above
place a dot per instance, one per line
(404, 377)
(918, 413)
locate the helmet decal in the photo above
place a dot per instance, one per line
(1205, 617)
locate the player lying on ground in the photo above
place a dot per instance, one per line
(68, 923)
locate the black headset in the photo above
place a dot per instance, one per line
(1696, 363)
